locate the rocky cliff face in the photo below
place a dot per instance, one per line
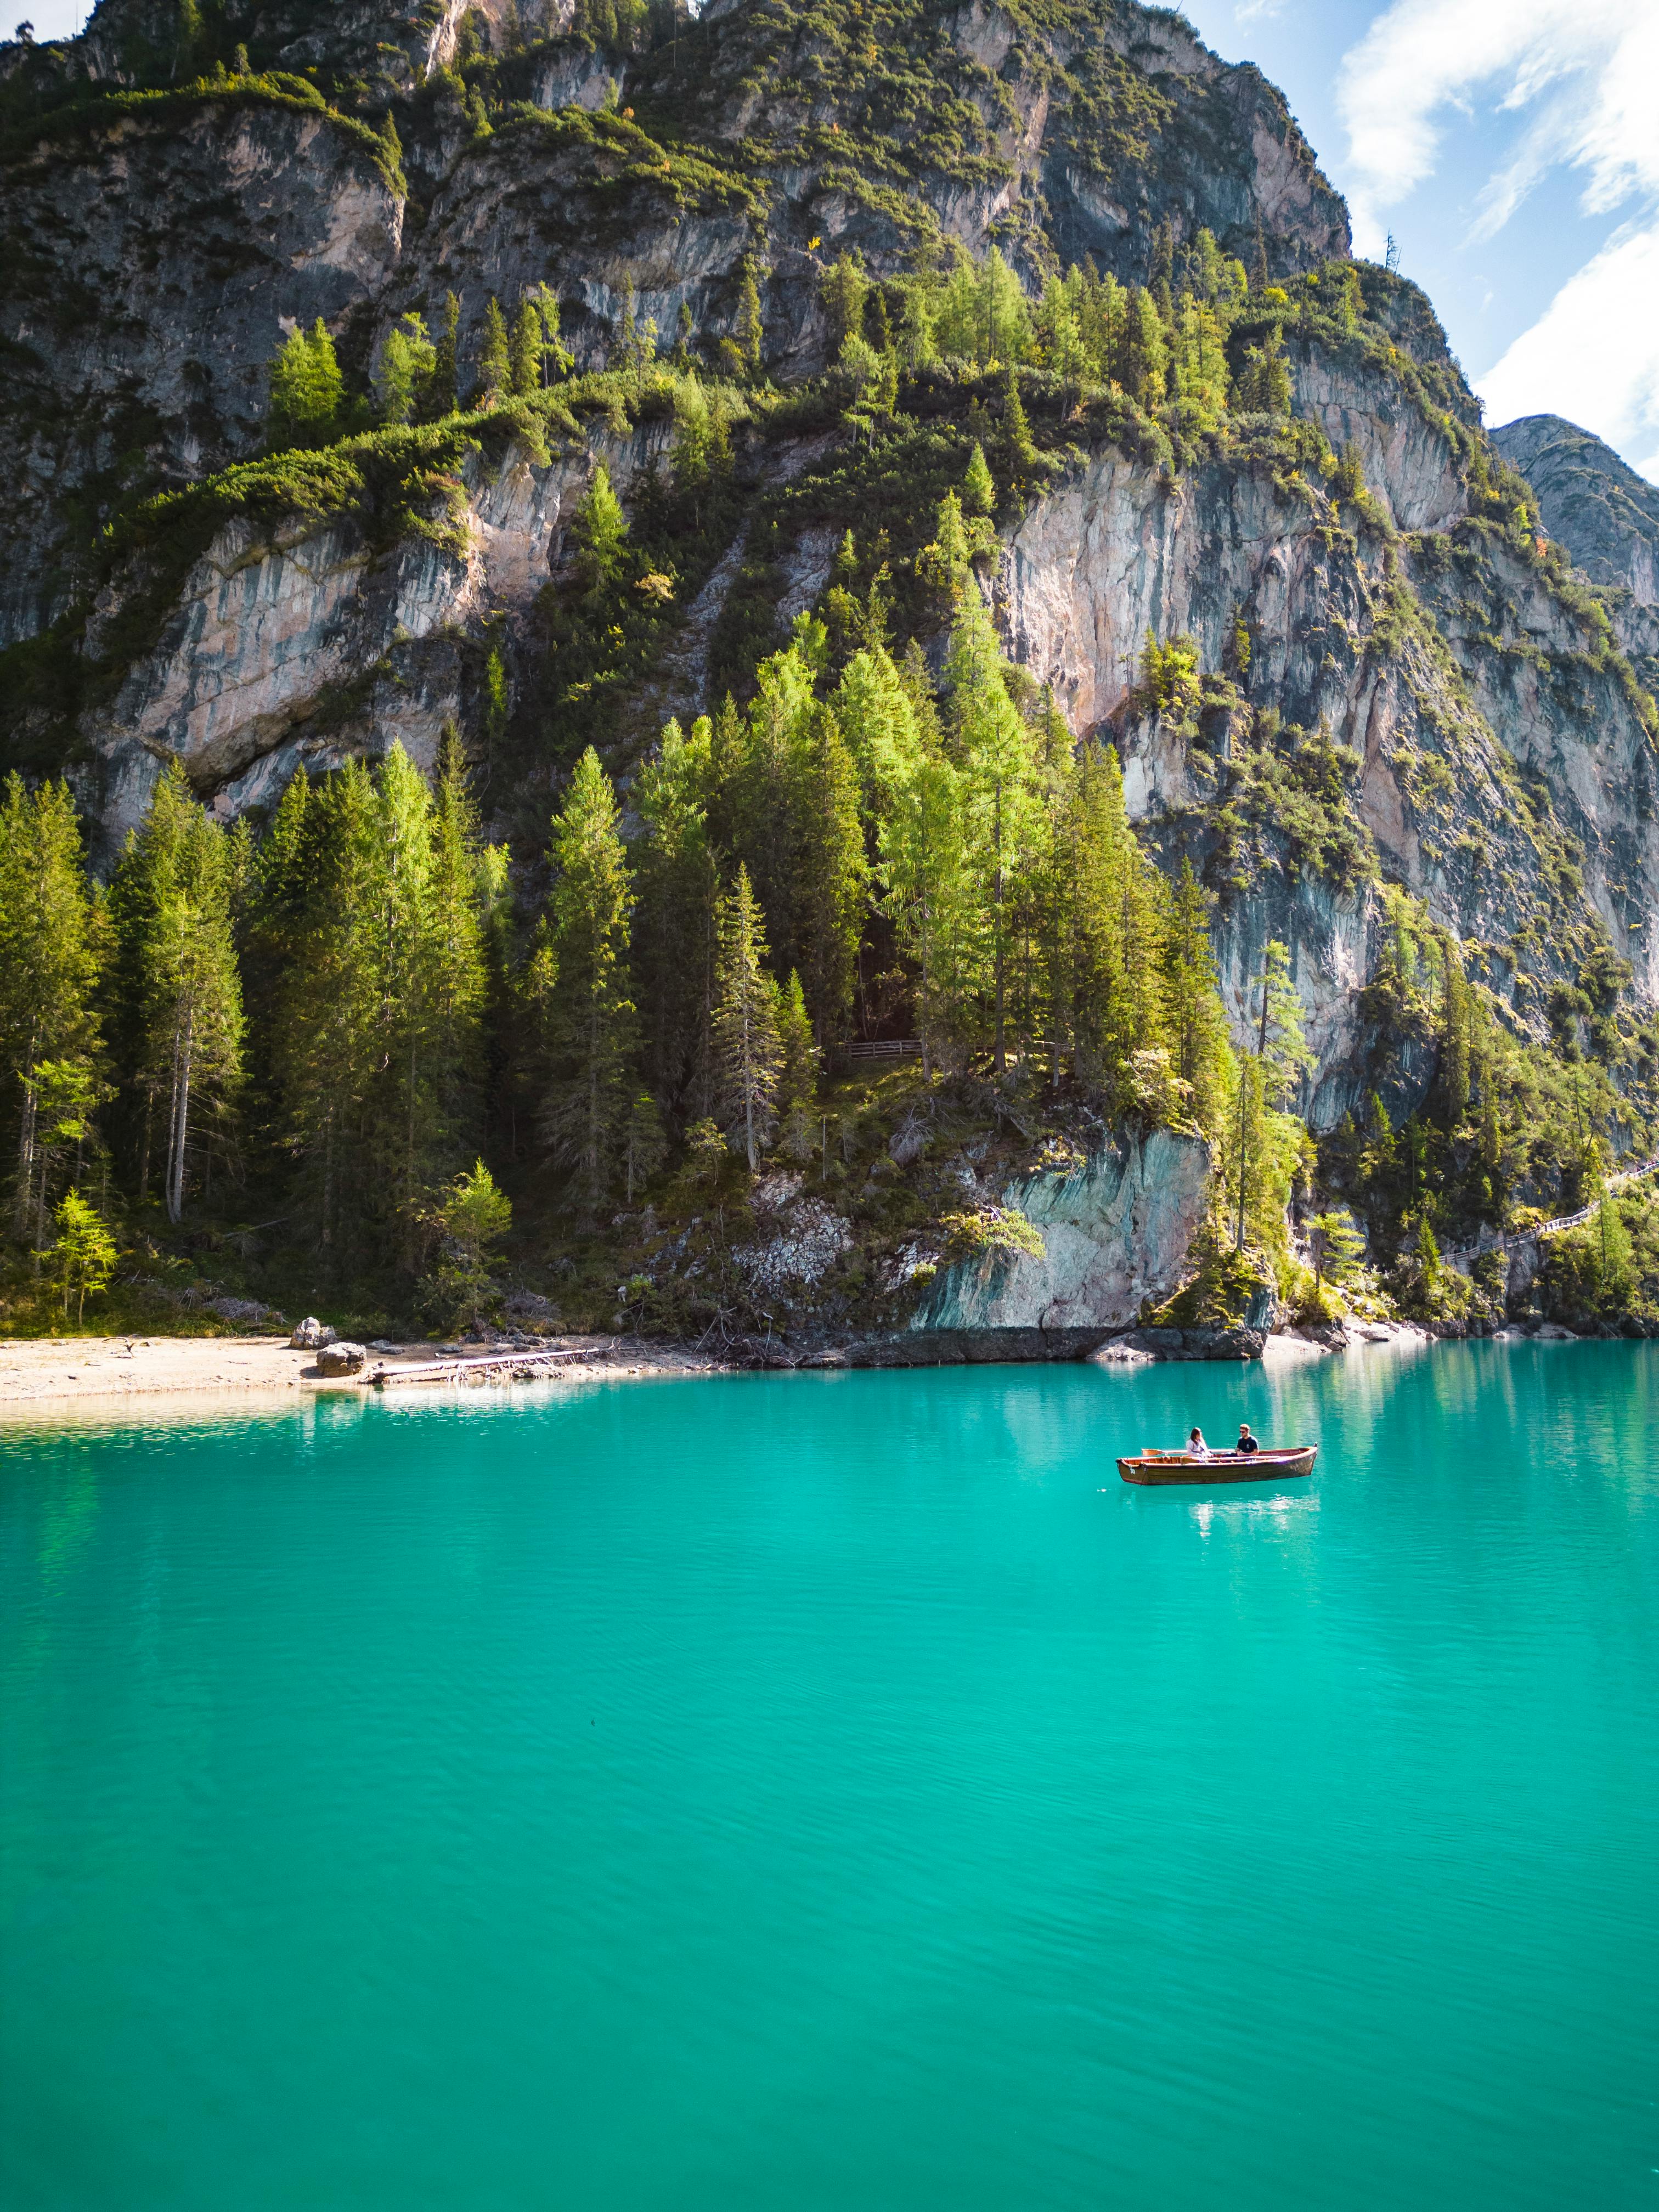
(305, 642)
(1605, 514)
(1114, 1232)
(153, 262)
(157, 250)
(1396, 686)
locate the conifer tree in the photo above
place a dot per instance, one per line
(83, 1254)
(1142, 363)
(443, 387)
(323, 1053)
(798, 1076)
(50, 940)
(406, 1123)
(677, 885)
(925, 874)
(525, 370)
(844, 288)
(468, 882)
(495, 358)
(172, 902)
(747, 1056)
(997, 791)
(600, 532)
(645, 1146)
(1455, 1032)
(306, 388)
(408, 360)
(593, 1018)
(1196, 1024)
(751, 333)
(979, 491)
(829, 893)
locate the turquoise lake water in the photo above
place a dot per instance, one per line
(830, 1792)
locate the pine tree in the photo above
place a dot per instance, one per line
(1337, 1245)
(83, 1255)
(1455, 1033)
(798, 1077)
(1194, 1021)
(406, 1124)
(593, 1023)
(494, 359)
(171, 901)
(979, 491)
(495, 710)
(925, 872)
(443, 387)
(1144, 356)
(999, 792)
(674, 934)
(844, 288)
(467, 880)
(50, 937)
(600, 532)
(524, 373)
(750, 335)
(747, 1056)
(306, 389)
(645, 1146)
(408, 361)
(323, 1058)
(829, 891)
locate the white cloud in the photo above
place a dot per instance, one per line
(1587, 70)
(1581, 77)
(1593, 355)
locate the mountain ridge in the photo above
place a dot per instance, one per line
(825, 278)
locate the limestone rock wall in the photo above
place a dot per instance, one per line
(152, 271)
(1115, 1231)
(305, 645)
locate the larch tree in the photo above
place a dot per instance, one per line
(593, 1021)
(49, 941)
(798, 1071)
(830, 896)
(747, 1054)
(495, 358)
(325, 1047)
(306, 388)
(172, 903)
(998, 791)
(1194, 1022)
(677, 885)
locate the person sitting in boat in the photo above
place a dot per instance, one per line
(1196, 1446)
(1246, 1443)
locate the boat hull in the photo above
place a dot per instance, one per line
(1258, 1466)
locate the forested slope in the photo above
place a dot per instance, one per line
(588, 574)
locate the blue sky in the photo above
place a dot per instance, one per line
(1513, 148)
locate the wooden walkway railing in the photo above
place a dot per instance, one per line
(1561, 1221)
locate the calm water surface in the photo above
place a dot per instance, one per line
(840, 1792)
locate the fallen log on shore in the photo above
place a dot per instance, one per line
(489, 1367)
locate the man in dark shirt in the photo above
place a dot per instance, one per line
(1246, 1443)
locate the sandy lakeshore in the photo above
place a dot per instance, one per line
(100, 1371)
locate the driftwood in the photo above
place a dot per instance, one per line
(490, 1367)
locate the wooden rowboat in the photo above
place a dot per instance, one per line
(1156, 1467)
